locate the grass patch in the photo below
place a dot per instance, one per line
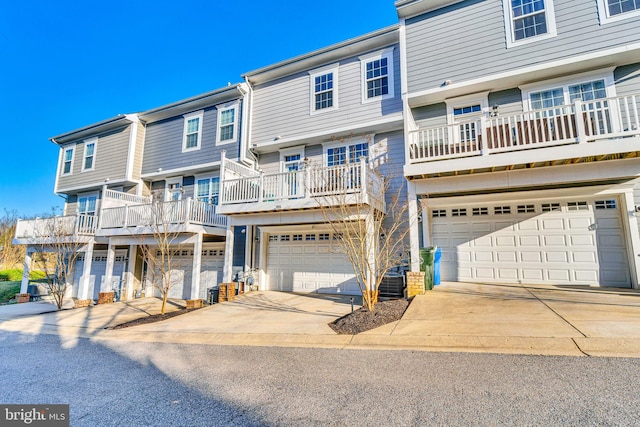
(15, 274)
(8, 290)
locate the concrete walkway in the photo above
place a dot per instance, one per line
(548, 320)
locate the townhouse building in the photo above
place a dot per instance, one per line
(111, 172)
(515, 125)
(521, 120)
(318, 124)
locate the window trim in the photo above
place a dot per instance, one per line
(481, 98)
(605, 18)
(550, 15)
(87, 196)
(87, 142)
(210, 177)
(64, 152)
(167, 183)
(605, 74)
(327, 69)
(368, 139)
(364, 59)
(234, 105)
(291, 151)
(194, 115)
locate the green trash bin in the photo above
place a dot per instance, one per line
(427, 258)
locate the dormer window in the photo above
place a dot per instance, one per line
(528, 20)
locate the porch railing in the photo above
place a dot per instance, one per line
(162, 213)
(59, 226)
(298, 184)
(579, 122)
(125, 197)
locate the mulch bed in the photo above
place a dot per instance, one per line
(362, 319)
(152, 318)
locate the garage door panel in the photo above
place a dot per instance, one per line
(561, 245)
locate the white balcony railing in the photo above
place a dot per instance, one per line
(580, 122)
(299, 184)
(187, 211)
(59, 226)
(124, 198)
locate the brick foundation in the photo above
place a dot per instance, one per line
(21, 298)
(105, 297)
(415, 283)
(79, 303)
(194, 303)
(227, 292)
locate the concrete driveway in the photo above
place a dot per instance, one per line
(468, 317)
(520, 319)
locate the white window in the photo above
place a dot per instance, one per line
(614, 10)
(227, 123)
(67, 161)
(87, 204)
(528, 20)
(192, 139)
(468, 111)
(377, 75)
(291, 158)
(173, 189)
(88, 160)
(208, 190)
(343, 154)
(324, 89)
(590, 88)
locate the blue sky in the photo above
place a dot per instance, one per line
(67, 64)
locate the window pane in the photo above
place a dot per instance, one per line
(203, 190)
(226, 132)
(336, 156)
(227, 117)
(377, 73)
(192, 125)
(68, 155)
(192, 140)
(90, 148)
(357, 151)
(588, 91)
(616, 7)
(88, 162)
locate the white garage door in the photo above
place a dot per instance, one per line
(98, 271)
(308, 262)
(572, 242)
(211, 267)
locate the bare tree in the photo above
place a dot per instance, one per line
(164, 255)
(10, 255)
(56, 247)
(365, 205)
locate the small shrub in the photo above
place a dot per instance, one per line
(8, 290)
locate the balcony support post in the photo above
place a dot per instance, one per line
(484, 143)
(26, 271)
(125, 222)
(108, 275)
(261, 187)
(228, 255)
(414, 238)
(197, 263)
(83, 286)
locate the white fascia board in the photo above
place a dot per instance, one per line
(410, 8)
(387, 124)
(93, 185)
(620, 55)
(187, 169)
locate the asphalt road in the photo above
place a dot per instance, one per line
(138, 384)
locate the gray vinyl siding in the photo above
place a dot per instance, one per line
(283, 107)
(509, 101)
(467, 40)
(110, 160)
(627, 79)
(163, 143)
(431, 115)
(636, 198)
(270, 162)
(137, 159)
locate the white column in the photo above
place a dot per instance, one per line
(628, 212)
(371, 251)
(414, 240)
(262, 259)
(227, 271)
(425, 224)
(197, 263)
(108, 275)
(83, 286)
(131, 268)
(248, 248)
(27, 270)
